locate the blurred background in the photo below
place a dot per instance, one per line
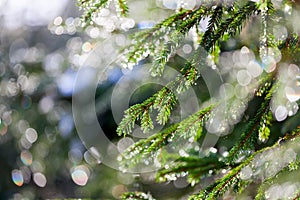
(42, 45)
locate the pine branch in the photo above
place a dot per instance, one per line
(136, 196)
(249, 137)
(220, 186)
(261, 192)
(292, 166)
(234, 176)
(91, 8)
(164, 100)
(122, 8)
(164, 103)
(144, 148)
(193, 166)
(214, 22)
(135, 113)
(264, 127)
(231, 25)
(162, 40)
(176, 37)
(147, 41)
(192, 126)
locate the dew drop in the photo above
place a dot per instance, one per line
(189, 5)
(57, 21)
(118, 190)
(246, 173)
(31, 135)
(226, 91)
(213, 150)
(187, 49)
(291, 94)
(39, 179)
(17, 177)
(3, 128)
(280, 32)
(26, 157)
(75, 155)
(275, 53)
(243, 77)
(281, 113)
(170, 4)
(268, 64)
(241, 92)
(292, 108)
(293, 70)
(124, 143)
(254, 69)
(80, 175)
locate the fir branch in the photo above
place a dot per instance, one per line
(153, 42)
(146, 121)
(175, 38)
(292, 166)
(214, 21)
(266, 9)
(165, 99)
(249, 136)
(135, 113)
(192, 126)
(147, 41)
(91, 8)
(264, 129)
(122, 8)
(167, 51)
(194, 166)
(136, 196)
(164, 103)
(150, 146)
(231, 25)
(233, 177)
(143, 148)
(272, 180)
(220, 186)
(290, 48)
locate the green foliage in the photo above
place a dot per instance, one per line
(256, 136)
(249, 137)
(92, 7)
(148, 148)
(235, 179)
(264, 130)
(136, 196)
(196, 167)
(192, 126)
(164, 100)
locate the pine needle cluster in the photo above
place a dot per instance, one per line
(259, 156)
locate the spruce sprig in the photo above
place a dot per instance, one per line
(249, 137)
(164, 100)
(231, 25)
(91, 8)
(151, 145)
(233, 177)
(136, 196)
(194, 167)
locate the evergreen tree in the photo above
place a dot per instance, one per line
(255, 114)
